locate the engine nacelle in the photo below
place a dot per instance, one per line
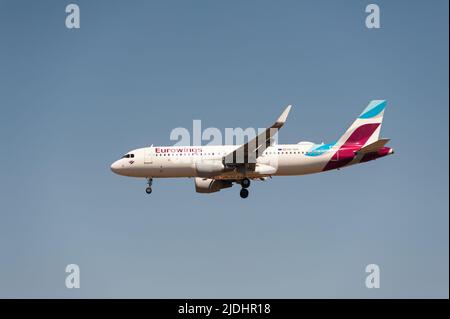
(209, 185)
(209, 168)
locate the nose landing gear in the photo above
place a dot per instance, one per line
(148, 190)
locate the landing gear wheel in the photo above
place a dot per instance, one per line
(245, 183)
(148, 190)
(244, 193)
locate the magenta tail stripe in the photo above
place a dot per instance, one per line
(346, 152)
(362, 134)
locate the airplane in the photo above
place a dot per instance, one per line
(217, 167)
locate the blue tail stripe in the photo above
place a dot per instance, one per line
(373, 109)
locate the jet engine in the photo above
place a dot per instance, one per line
(209, 185)
(209, 168)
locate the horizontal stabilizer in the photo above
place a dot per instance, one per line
(374, 147)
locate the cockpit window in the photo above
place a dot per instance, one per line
(128, 156)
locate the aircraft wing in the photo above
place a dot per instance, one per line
(249, 152)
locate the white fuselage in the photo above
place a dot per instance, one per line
(181, 161)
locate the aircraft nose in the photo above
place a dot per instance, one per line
(115, 167)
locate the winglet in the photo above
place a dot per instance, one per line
(282, 118)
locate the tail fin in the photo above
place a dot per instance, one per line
(366, 128)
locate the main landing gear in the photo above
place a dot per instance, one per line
(244, 193)
(245, 183)
(148, 190)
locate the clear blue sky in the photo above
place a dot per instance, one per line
(73, 101)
